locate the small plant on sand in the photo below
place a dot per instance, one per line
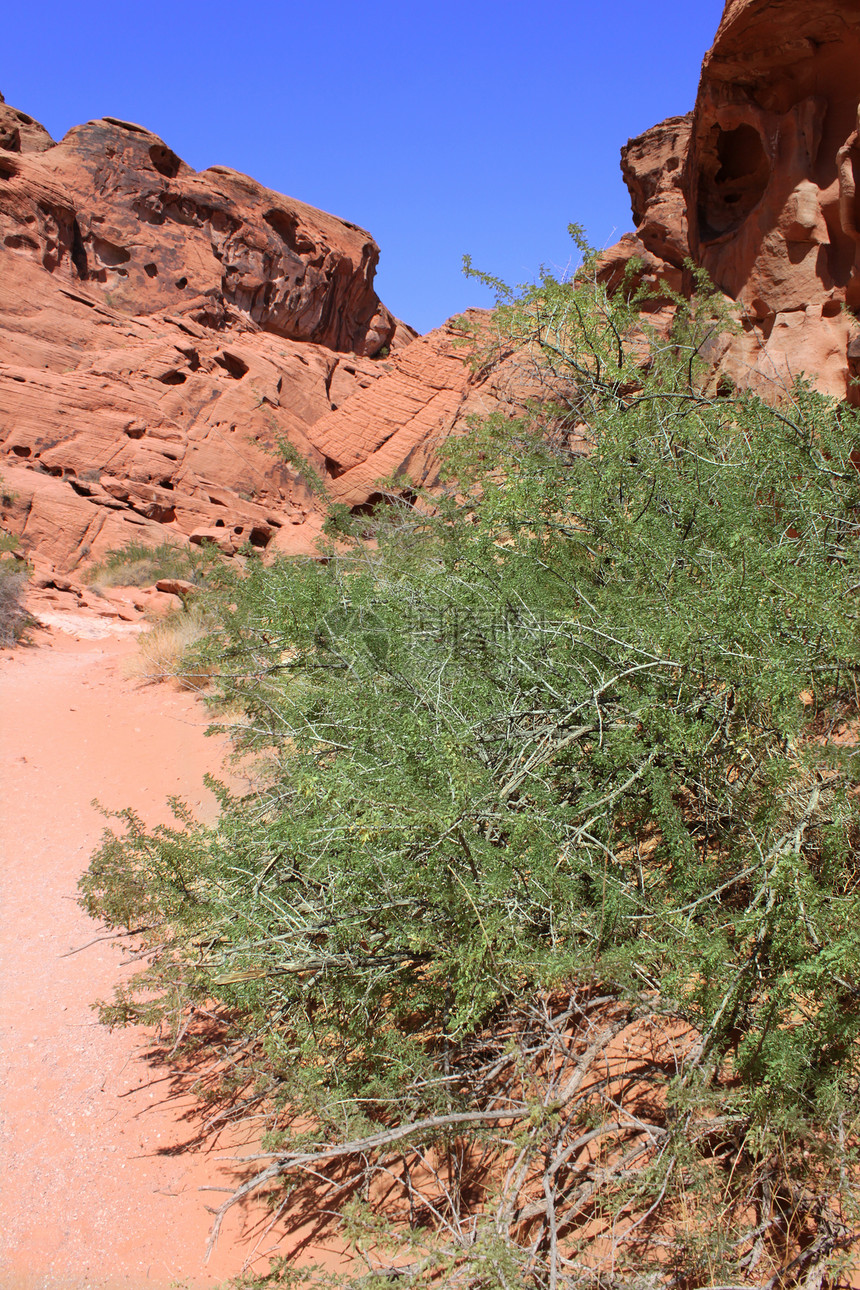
(166, 651)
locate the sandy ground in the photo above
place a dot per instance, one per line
(98, 1190)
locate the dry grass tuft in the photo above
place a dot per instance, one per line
(163, 653)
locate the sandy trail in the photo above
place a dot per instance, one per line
(89, 1198)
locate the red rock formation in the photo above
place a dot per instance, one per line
(160, 332)
(759, 186)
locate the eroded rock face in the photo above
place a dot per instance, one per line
(111, 206)
(653, 170)
(760, 186)
(160, 332)
(20, 133)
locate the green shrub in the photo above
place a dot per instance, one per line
(14, 618)
(139, 565)
(546, 913)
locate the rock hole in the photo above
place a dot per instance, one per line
(172, 377)
(259, 537)
(151, 270)
(232, 365)
(135, 432)
(21, 450)
(20, 242)
(237, 528)
(368, 507)
(286, 225)
(181, 284)
(8, 169)
(78, 251)
(167, 483)
(733, 176)
(219, 524)
(164, 160)
(109, 254)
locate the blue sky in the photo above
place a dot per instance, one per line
(444, 128)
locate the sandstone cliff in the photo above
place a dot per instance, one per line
(759, 186)
(160, 332)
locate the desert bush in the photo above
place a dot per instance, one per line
(14, 618)
(139, 565)
(546, 913)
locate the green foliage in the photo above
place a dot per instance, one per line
(564, 760)
(306, 472)
(14, 573)
(138, 565)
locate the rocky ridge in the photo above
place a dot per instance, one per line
(162, 331)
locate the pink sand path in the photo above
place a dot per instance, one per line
(88, 1199)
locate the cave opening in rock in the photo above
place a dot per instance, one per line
(734, 173)
(232, 364)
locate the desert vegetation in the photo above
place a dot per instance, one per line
(14, 618)
(166, 650)
(137, 565)
(536, 945)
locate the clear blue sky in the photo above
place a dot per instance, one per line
(483, 126)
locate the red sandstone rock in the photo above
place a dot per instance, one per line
(760, 185)
(111, 206)
(20, 133)
(652, 166)
(391, 430)
(161, 332)
(175, 586)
